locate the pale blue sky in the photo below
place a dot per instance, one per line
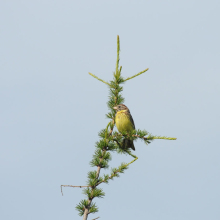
(52, 110)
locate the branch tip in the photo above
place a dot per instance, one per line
(99, 79)
(138, 74)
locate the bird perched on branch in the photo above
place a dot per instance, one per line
(124, 123)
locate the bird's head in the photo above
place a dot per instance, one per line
(120, 108)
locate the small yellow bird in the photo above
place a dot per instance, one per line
(124, 122)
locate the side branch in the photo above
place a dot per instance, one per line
(119, 170)
(99, 79)
(137, 74)
(149, 138)
(70, 186)
(155, 137)
(165, 138)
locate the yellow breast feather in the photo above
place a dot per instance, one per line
(123, 121)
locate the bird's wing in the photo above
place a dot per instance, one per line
(131, 119)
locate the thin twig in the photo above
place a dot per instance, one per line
(95, 218)
(165, 138)
(71, 186)
(74, 186)
(152, 138)
(99, 78)
(120, 69)
(155, 137)
(110, 132)
(118, 51)
(120, 169)
(136, 74)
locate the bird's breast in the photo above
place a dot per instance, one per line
(123, 121)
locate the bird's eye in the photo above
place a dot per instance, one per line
(119, 106)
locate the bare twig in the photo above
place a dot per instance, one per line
(70, 186)
(95, 218)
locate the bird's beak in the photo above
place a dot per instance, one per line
(115, 107)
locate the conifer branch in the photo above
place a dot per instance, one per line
(155, 137)
(98, 78)
(136, 74)
(113, 124)
(119, 170)
(118, 51)
(109, 142)
(87, 209)
(165, 138)
(148, 138)
(132, 161)
(115, 98)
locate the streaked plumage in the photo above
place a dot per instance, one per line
(124, 122)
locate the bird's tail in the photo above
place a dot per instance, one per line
(128, 144)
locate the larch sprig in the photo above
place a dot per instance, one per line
(110, 142)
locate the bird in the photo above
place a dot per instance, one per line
(124, 123)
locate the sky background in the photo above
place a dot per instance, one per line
(52, 109)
